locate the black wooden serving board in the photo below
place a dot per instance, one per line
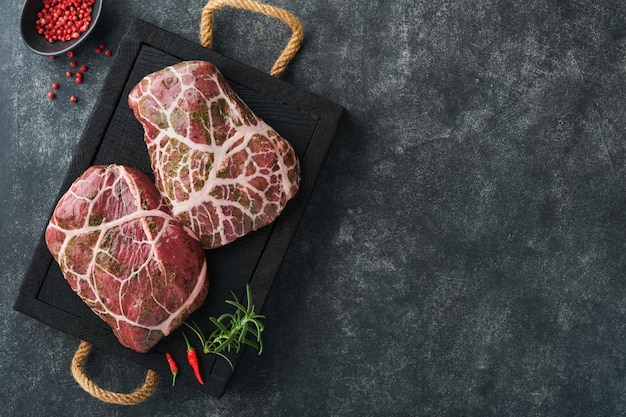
(113, 135)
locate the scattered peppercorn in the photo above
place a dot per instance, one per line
(79, 73)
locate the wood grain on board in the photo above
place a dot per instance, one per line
(113, 135)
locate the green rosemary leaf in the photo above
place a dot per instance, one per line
(196, 329)
(226, 358)
(219, 325)
(238, 306)
(255, 332)
(233, 330)
(251, 343)
(242, 334)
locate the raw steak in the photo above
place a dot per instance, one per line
(223, 170)
(122, 252)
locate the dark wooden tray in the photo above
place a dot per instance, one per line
(113, 135)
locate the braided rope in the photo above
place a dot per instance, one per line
(135, 397)
(206, 27)
(206, 38)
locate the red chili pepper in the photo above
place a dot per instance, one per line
(173, 366)
(192, 358)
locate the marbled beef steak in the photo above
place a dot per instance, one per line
(123, 253)
(223, 171)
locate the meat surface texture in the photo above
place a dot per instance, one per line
(123, 253)
(223, 171)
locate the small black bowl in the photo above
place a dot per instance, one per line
(37, 43)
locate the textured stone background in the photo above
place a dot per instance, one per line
(463, 252)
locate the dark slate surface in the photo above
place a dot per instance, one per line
(113, 135)
(462, 253)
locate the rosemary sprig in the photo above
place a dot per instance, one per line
(233, 330)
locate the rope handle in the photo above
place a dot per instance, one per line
(206, 27)
(139, 395)
(206, 38)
